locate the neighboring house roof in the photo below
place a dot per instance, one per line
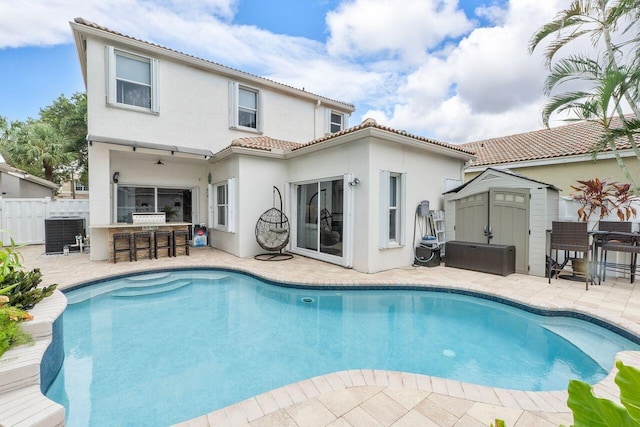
(81, 23)
(18, 173)
(562, 141)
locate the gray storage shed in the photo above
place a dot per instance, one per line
(503, 208)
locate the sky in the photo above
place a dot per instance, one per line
(453, 70)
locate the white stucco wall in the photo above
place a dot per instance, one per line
(424, 175)
(365, 158)
(194, 107)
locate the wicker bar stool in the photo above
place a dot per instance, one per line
(572, 237)
(122, 243)
(158, 243)
(611, 227)
(142, 241)
(182, 235)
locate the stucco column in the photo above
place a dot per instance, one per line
(100, 206)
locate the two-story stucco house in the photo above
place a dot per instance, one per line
(206, 144)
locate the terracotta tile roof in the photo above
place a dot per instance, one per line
(91, 24)
(568, 140)
(264, 143)
(371, 123)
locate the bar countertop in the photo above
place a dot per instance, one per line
(141, 224)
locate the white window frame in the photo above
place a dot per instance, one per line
(229, 206)
(385, 240)
(329, 122)
(112, 97)
(234, 107)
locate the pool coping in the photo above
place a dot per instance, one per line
(250, 409)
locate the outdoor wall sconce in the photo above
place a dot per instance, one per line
(116, 175)
(355, 182)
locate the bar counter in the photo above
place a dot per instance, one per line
(132, 228)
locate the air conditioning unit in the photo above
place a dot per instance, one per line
(62, 231)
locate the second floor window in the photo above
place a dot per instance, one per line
(132, 80)
(245, 108)
(336, 123)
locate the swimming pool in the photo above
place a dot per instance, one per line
(161, 348)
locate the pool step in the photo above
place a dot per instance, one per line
(134, 291)
(140, 281)
(587, 339)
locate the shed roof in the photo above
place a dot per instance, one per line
(503, 172)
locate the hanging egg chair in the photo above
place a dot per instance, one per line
(272, 233)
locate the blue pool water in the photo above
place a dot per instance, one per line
(162, 348)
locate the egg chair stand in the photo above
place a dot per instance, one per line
(272, 232)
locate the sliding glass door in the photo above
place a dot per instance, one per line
(320, 211)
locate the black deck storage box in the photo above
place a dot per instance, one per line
(487, 258)
(62, 231)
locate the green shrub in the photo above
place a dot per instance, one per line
(18, 292)
(22, 288)
(591, 411)
(10, 332)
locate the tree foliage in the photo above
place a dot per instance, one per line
(602, 80)
(52, 147)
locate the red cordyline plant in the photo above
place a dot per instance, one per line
(599, 196)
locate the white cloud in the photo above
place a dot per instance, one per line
(418, 65)
(393, 29)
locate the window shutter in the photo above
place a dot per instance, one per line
(233, 105)
(110, 83)
(231, 205)
(383, 233)
(259, 114)
(211, 205)
(327, 121)
(402, 208)
(155, 101)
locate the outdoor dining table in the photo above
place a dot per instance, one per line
(628, 241)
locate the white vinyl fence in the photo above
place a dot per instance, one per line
(23, 219)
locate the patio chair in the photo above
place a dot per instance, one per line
(573, 239)
(625, 242)
(610, 227)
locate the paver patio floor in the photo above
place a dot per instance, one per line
(371, 398)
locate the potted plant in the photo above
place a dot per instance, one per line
(604, 198)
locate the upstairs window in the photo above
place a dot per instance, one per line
(245, 110)
(336, 122)
(132, 80)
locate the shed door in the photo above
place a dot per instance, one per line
(509, 222)
(472, 217)
(501, 217)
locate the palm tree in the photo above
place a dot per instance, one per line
(609, 78)
(38, 147)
